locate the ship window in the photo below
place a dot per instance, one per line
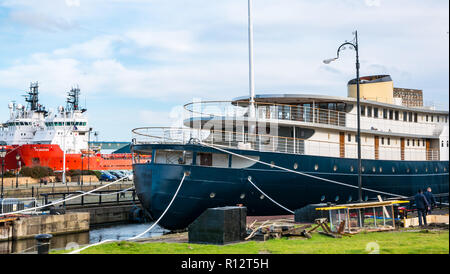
(316, 167)
(438, 118)
(423, 142)
(349, 198)
(261, 197)
(382, 140)
(426, 169)
(369, 111)
(396, 115)
(442, 144)
(384, 113)
(242, 196)
(375, 112)
(349, 137)
(415, 118)
(432, 118)
(393, 169)
(413, 141)
(389, 141)
(426, 118)
(381, 169)
(407, 142)
(352, 169)
(363, 168)
(374, 169)
(436, 169)
(336, 199)
(410, 117)
(391, 114)
(212, 195)
(407, 170)
(447, 143)
(363, 110)
(295, 166)
(335, 168)
(272, 164)
(416, 170)
(322, 198)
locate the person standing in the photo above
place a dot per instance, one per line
(430, 199)
(421, 206)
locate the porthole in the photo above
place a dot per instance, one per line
(426, 169)
(334, 167)
(352, 169)
(272, 164)
(416, 170)
(381, 169)
(445, 169)
(242, 196)
(322, 198)
(374, 169)
(336, 199)
(350, 198)
(363, 169)
(261, 197)
(212, 195)
(436, 169)
(316, 167)
(295, 166)
(407, 170)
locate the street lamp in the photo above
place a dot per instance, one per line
(82, 156)
(18, 169)
(2, 155)
(354, 45)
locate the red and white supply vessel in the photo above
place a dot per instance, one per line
(40, 137)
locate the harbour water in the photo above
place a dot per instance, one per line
(95, 235)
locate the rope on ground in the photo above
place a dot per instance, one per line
(288, 210)
(147, 230)
(61, 201)
(298, 172)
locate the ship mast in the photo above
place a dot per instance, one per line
(251, 72)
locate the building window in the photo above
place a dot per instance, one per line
(375, 112)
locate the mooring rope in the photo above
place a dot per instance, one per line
(147, 230)
(107, 194)
(61, 201)
(298, 172)
(288, 210)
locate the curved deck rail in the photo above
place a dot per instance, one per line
(271, 143)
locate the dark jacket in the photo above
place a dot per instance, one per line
(421, 201)
(430, 198)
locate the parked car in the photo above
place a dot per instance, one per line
(115, 173)
(106, 176)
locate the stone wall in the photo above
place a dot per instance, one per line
(28, 227)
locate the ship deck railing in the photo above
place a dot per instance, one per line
(308, 115)
(280, 144)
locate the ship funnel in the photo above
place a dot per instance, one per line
(378, 88)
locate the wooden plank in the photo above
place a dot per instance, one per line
(384, 208)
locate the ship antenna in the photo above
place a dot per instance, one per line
(73, 99)
(33, 96)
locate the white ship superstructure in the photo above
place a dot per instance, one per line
(67, 127)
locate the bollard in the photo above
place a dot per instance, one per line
(43, 243)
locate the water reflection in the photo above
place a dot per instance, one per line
(113, 232)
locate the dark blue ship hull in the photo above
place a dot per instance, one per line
(208, 187)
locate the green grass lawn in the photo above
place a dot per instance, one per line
(422, 242)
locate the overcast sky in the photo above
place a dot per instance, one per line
(137, 62)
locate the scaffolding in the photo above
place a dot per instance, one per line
(357, 217)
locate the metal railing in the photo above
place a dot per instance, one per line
(309, 114)
(271, 143)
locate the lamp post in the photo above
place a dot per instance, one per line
(18, 169)
(89, 151)
(82, 156)
(2, 155)
(354, 45)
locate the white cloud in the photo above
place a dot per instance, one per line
(73, 3)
